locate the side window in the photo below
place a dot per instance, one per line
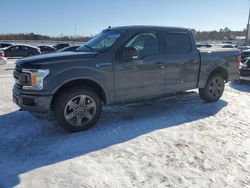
(24, 48)
(248, 63)
(178, 43)
(14, 48)
(145, 43)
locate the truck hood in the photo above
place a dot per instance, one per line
(55, 58)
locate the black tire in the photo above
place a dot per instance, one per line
(214, 88)
(69, 102)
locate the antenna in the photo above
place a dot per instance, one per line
(248, 25)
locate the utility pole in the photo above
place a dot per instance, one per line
(248, 24)
(75, 30)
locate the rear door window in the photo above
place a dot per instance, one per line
(24, 48)
(14, 48)
(177, 43)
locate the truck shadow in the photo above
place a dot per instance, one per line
(244, 86)
(28, 143)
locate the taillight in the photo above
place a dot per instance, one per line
(239, 61)
(2, 54)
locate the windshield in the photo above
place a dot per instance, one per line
(102, 41)
(247, 62)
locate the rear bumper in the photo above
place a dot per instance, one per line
(32, 103)
(245, 78)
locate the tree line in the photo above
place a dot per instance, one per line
(222, 34)
(32, 36)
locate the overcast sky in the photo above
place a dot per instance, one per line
(55, 17)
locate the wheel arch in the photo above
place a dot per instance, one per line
(221, 71)
(78, 83)
(215, 70)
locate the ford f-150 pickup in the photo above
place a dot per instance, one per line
(120, 65)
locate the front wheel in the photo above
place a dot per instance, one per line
(78, 109)
(214, 88)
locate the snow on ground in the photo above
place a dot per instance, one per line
(177, 142)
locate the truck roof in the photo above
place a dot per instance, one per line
(147, 27)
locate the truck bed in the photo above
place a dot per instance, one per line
(226, 58)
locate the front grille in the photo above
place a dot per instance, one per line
(18, 68)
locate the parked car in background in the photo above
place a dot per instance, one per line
(21, 51)
(2, 54)
(245, 54)
(224, 45)
(228, 46)
(45, 49)
(4, 45)
(3, 60)
(245, 70)
(227, 42)
(61, 46)
(243, 47)
(204, 45)
(69, 49)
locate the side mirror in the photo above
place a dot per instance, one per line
(129, 53)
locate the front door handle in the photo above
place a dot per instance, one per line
(160, 64)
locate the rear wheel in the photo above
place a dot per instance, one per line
(78, 109)
(214, 88)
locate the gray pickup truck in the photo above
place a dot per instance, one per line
(120, 65)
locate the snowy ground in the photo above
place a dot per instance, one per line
(177, 142)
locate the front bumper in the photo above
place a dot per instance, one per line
(32, 103)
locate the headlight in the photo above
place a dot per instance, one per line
(36, 78)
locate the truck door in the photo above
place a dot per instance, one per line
(142, 76)
(182, 67)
